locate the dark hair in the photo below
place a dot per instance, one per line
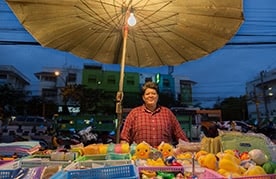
(150, 85)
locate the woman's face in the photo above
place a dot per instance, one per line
(150, 97)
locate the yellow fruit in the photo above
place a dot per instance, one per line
(223, 172)
(149, 174)
(220, 155)
(229, 166)
(200, 160)
(233, 175)
(186, 155)
(229, 151)
(200, 153)
(125, 148)
(231, 157)
(254, 171)
(209, 161)
(103, 148)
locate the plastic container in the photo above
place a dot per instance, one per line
(210, 174)
(9, 170)
(270, 176)
(112, 172)
(92, 157)
(116, 156)
(170, 169)
(87, 164)
(162, 168)
(9, 173)
(35, 162)
(272, 150)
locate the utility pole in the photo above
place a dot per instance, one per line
(256, 101)
(264, 94)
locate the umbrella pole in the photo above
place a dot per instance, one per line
(120, 94)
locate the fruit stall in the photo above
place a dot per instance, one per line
(230, 155)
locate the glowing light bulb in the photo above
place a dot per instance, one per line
(131, 20)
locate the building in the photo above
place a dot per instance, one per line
(184, 90)
(261, 92)
(51, 82)
(95, 77)
(12, 76)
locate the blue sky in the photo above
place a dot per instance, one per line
(220, 74)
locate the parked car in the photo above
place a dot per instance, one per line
(240, 126)
(26, 125)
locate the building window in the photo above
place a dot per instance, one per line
(72, 77)
(92, 79)
(3, 76)
(148, 79)
(49, 92)
(49, 78)
(166, 83)
(111, 80)
(130, 80)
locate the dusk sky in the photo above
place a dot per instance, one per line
(220, 74)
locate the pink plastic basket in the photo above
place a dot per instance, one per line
(170, 169)
(269, 176)
(162, 168)
(210, 174)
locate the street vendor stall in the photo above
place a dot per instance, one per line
(230, 155)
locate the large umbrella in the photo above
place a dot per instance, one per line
(167, 32)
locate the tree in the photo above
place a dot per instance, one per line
(233, 108)
(90, 100)
(12, 100)
(71, 94)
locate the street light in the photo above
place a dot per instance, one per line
(59, 99)
(58, 74)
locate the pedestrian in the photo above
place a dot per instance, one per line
(151, 122)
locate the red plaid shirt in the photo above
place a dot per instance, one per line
(152, 127)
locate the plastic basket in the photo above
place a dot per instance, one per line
(112, 172)
(162, 168)
(4, 162)
(9, 170)
(96, 164)
(170, 169)
(92, 157)
(272, 150)
(269, 176)
(116, 156)
(35, 162)
(209, 174)
(9, 173)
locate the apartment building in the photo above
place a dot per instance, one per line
(261, 96)
(12, 76)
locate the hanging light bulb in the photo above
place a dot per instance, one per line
(131, 20)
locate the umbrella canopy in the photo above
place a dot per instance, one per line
(168, 32)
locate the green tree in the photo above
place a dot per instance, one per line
(12, 100)
(91, 101)
(233, 108)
